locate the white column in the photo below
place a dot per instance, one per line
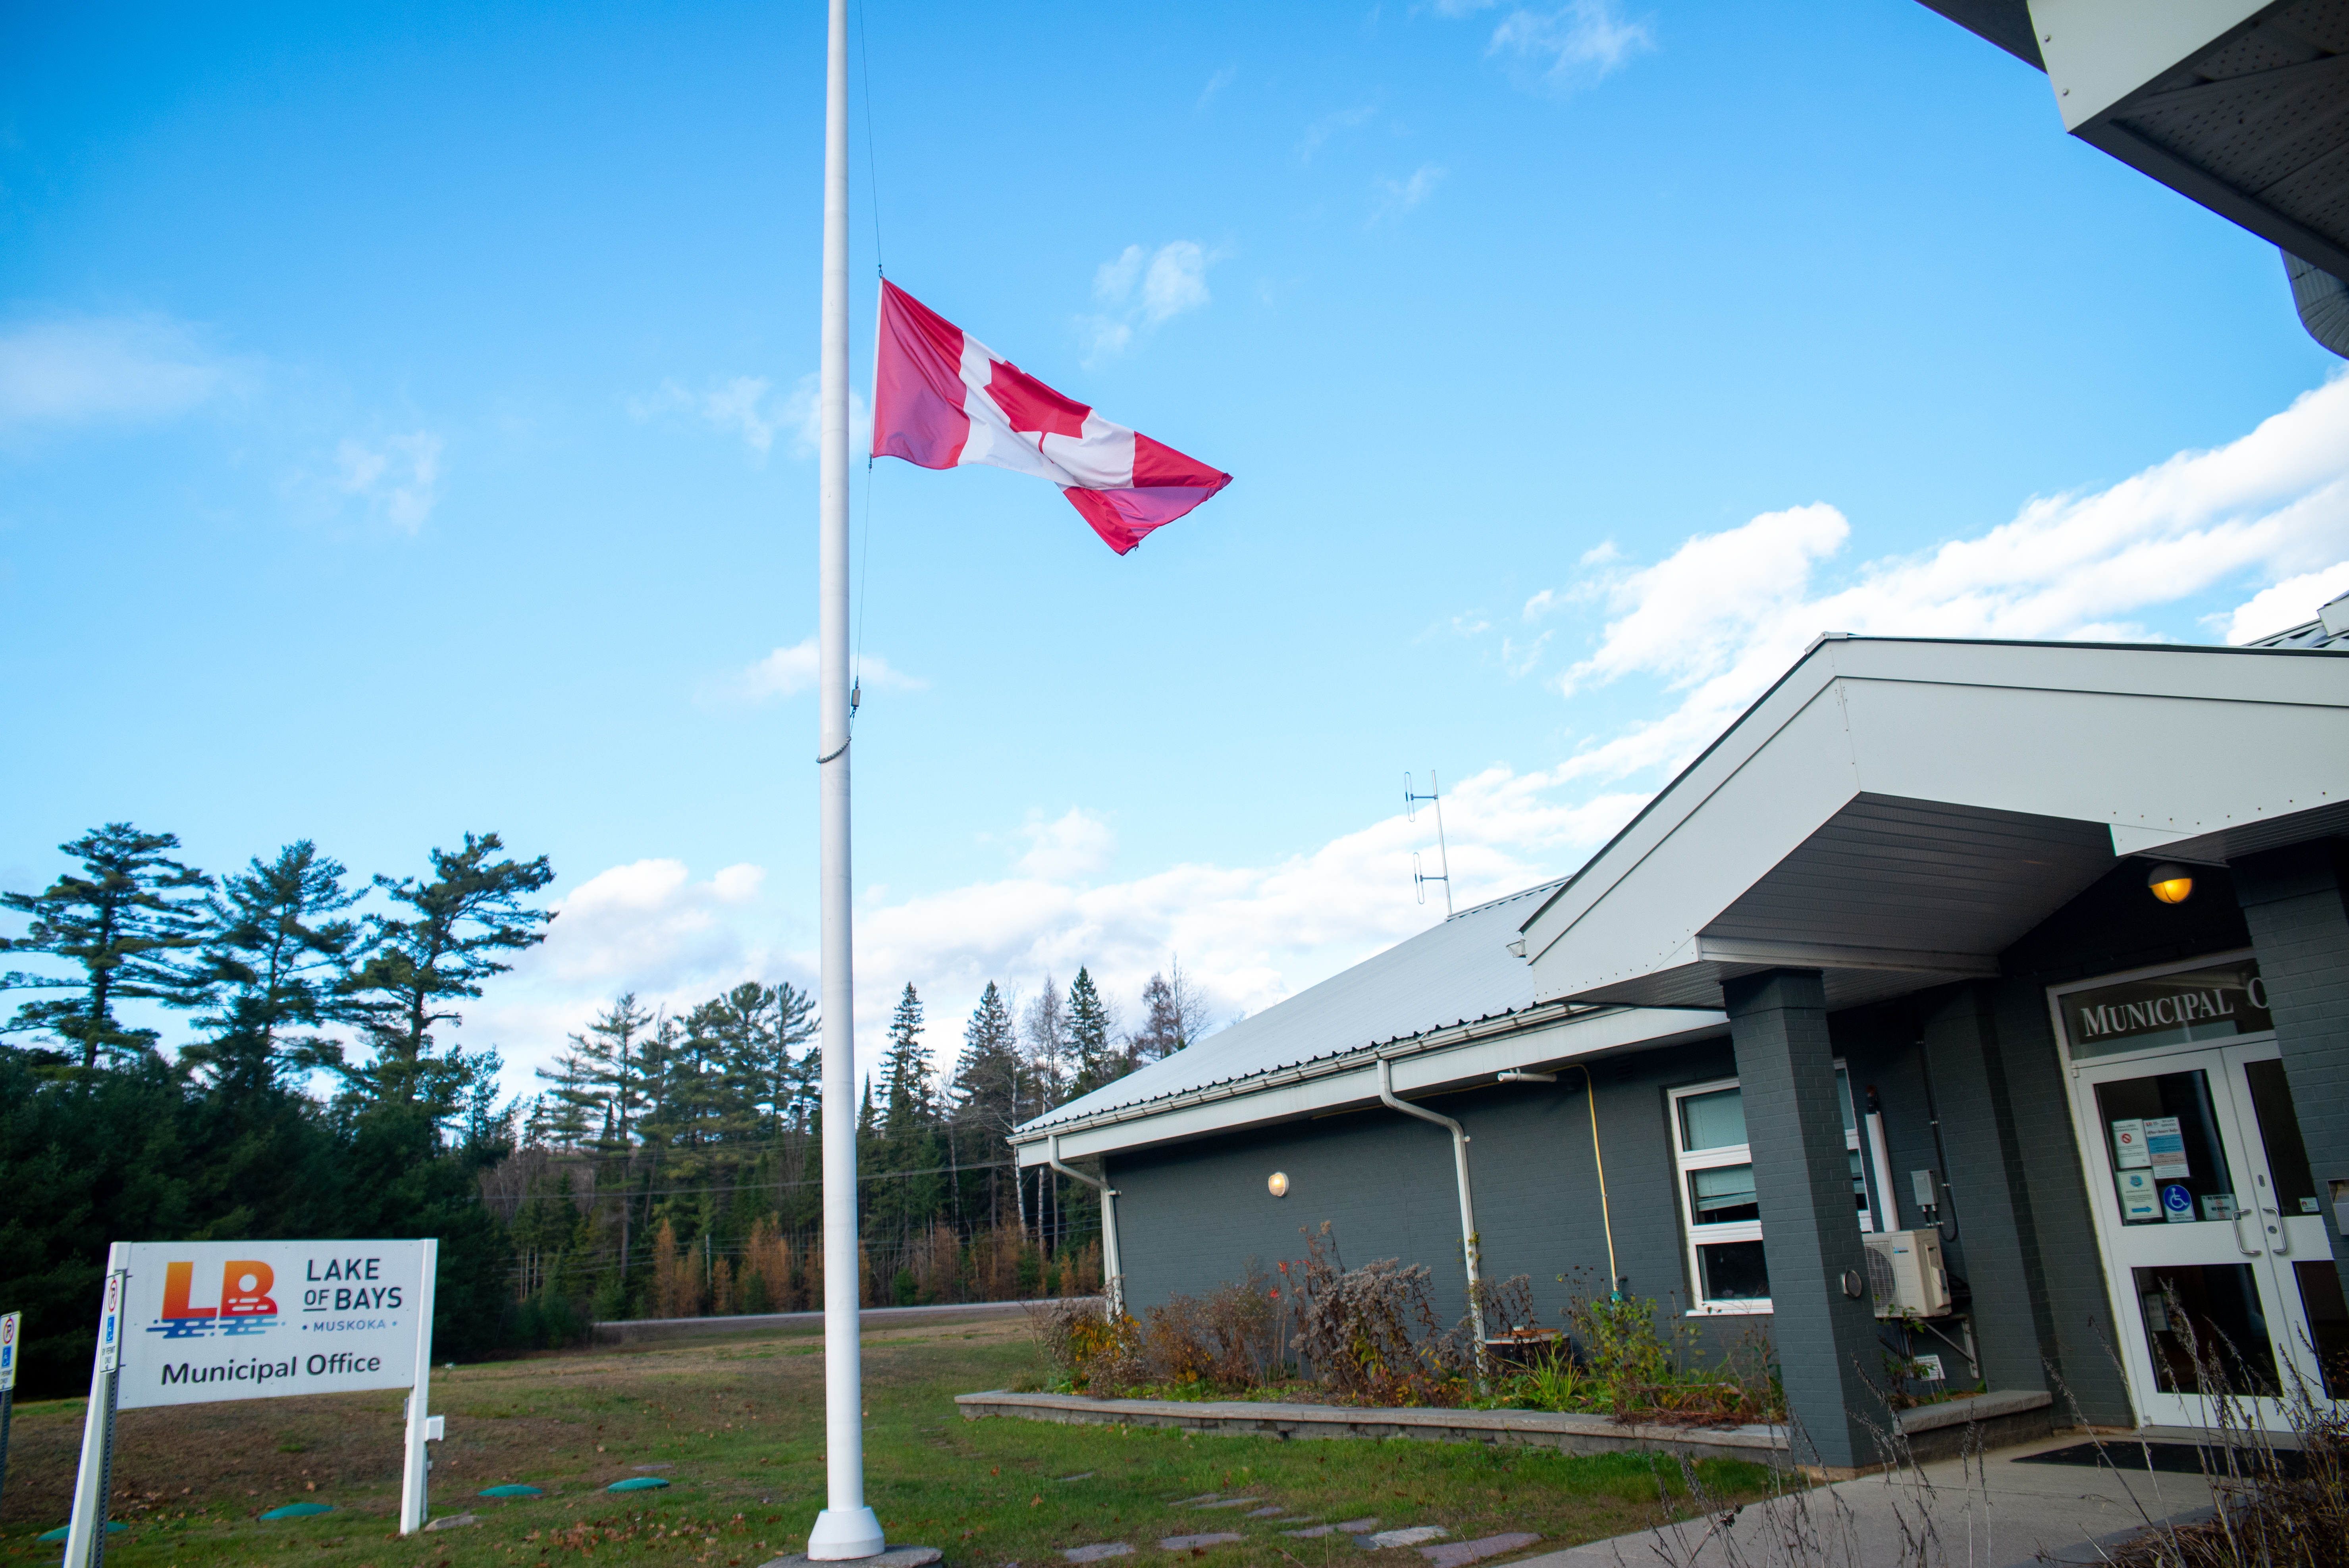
(87, 1525)
(413, 1462)
(846, 1528)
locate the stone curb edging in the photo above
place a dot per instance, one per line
(2004, 1418)
(1536, 1429)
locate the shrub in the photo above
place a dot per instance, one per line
(1371, 1333)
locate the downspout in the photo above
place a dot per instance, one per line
(1467, 1201)
(1112, 1269)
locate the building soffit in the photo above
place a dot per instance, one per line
(1894, 814)
(2237, 105)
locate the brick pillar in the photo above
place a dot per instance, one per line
(1825, 1338)
(2014, 1333)
(2294, 903)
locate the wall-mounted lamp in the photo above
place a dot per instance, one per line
(1278, 1184)
(2170, 882)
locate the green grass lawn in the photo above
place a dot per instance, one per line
(740, 1421)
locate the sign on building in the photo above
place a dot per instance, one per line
(187, 1323)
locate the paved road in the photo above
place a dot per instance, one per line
(637, 1330)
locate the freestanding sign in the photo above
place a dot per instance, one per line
(11, 1326)
(188, 1323)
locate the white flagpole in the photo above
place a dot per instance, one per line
(846, 1528)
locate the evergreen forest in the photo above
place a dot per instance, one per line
(668, 1166)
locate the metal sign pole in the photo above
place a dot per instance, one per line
(94, 1480)
(417, 1464)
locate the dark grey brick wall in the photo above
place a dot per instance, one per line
(1191, 1215)
(1827, 1338)
(2293, 899)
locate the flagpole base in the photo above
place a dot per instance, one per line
(843, 1534)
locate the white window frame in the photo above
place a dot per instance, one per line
(1685, 1161)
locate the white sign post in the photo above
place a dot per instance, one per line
(189, 1323)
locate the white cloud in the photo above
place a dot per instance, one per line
(1329, 125)
(69, 372)
(2293, 601)
(1565, 46)
(787, 672)
(398, 477)
(1724, 614)
(1113, 279)
(646, 927)
(1399, 196)
(1177, 280)
(1216, 84)
(749, 407)
(649, 927)
(1075, 845)
(1141, 289)
(1713, 623)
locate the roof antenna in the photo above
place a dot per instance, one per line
(1419, 880)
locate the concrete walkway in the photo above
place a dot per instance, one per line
(1985, 1513)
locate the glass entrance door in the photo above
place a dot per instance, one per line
(2220, 1265)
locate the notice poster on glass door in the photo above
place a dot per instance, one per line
(2140, 1198)
(2128, 1144)
(2165, 1149)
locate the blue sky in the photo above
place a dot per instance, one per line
(402, 431)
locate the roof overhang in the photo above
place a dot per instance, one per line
(2240, 105)
(1537, 1039)
(1896, 813)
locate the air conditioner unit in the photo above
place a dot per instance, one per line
(1906, 1275)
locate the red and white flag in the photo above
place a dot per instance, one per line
(942, 399)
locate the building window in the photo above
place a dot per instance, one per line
(1720, 1210)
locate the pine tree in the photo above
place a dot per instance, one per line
(616, 1085)
(131, 919)
(758, 1026)
(276, 946)
(1098, 1060)
(462, 923)
(565, 1116)
(987, 1085)
(906, 1070)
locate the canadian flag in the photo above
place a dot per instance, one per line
(941, 398)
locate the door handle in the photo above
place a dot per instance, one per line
(2240, 1215)
(2283, 1230)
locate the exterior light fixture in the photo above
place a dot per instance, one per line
(1278, 1184)
(2171, 883)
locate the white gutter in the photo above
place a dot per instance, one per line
(1112, 1269)
(1461, 1054)
(1467, 1199)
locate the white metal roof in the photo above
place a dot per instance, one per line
(1895, 812)
(1455, 973)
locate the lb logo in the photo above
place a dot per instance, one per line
(242, 1305)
